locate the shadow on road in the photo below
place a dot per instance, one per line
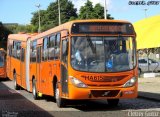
(102, 105)
(124, 104)
(13, 104)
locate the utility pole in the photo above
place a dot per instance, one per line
(145, 11)
(39, 27)
(105, 10)
(59, 12)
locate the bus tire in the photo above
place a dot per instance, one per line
(60, 101)
(16, 87)
(113, 102)
(34, 89)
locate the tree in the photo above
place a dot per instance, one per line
(86, 11)
(98, 11)
(49, 17)
(89, 12)
(43, 18)
(4, 32)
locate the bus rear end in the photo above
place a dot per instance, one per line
(101, 63)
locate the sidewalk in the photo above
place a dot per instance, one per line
(149, 88)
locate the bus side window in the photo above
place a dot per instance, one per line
(22, 55)
(57, 46)
(39, 54)
(64, 50)
(51, 47)
(33, 51)
(45, 49)
(14, 54)
(18, 49)
(9, 49)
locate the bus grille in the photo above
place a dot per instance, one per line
(103, 85)
(105, 93)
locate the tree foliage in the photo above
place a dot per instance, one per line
(49, 17)
(21, 28)
(89, 12)
(4, 32)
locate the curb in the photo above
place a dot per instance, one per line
(149, 96)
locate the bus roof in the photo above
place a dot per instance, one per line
(68, 26)
(20, 37)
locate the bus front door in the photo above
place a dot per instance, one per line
(64, 66)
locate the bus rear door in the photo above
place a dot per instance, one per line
(23, 70)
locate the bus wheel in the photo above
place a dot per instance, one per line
(60, 102)
(16, 87)
(113, 102)
(34, 90)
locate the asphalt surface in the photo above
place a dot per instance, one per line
(21, 104)
(13, 104)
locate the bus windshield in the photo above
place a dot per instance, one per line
(1, 59)
(103, 54)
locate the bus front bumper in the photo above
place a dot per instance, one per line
(102, 93)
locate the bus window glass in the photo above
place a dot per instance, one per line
(103, 54)
(18, 49)
(1, 59)
(33, 51)
(64, 50)
(9, 50)
(22, 55)
(45, 49)
(51, 47)
(14, 53)
(39, 54)
(57, 46)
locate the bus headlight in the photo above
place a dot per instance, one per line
(130, 82)
(77, 82)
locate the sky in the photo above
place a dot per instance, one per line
(20, 11)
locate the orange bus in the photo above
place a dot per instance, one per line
(82, 59)
(2, 63)
(85, 59)
(18, 49)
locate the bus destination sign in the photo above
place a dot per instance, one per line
(101, 28)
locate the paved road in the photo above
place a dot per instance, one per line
(20, 103)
